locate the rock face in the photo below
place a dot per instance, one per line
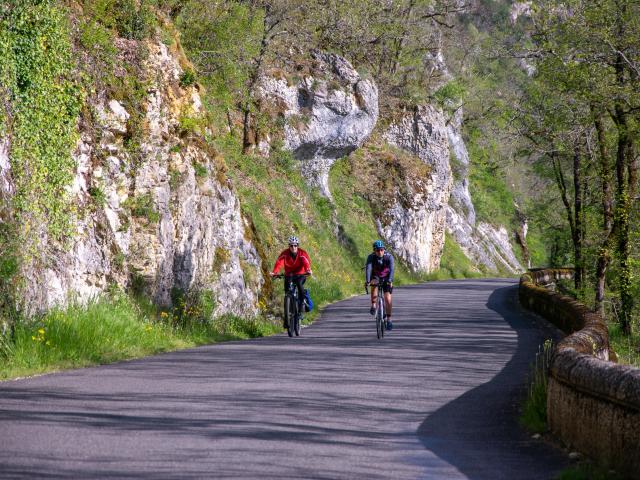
(482, 243)
(327, 116)
(6, 185)
(416, 225)
(161, 219)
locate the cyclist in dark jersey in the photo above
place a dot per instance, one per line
(379, 269)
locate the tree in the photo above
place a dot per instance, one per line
(590, 51)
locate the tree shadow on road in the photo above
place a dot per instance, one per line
(478, 432)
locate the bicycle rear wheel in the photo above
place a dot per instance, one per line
(380, 314)
(296, 324)
(289, 314)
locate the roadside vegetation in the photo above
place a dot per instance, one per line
(587, 471)
(534, 408)
(115, 328)
(72, 46)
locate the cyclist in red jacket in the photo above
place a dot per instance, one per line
(297, 265)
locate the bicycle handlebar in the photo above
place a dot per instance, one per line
(282, 275)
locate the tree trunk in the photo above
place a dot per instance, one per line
(604, 255)
(248, 135)
(578, 231)
(626, 173)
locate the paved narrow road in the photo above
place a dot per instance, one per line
(436, 399)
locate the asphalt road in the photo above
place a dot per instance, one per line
(436, 399)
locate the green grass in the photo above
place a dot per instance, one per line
(454, 263)
(534, 409)
(626, 347)
(109, 330)
(587, 471)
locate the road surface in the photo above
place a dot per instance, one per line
(436, 398)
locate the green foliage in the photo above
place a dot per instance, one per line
(492, 199)
(534, 411)
(451, 94)
(187, 78)
(98, 196)
(588, 471)
(143, 206)
(200, 170)
(189, 124)
(131, 19)
(454, 263)
(194, 306)
(44, 105)
(113, 329)
(222, 38)
(627, 347)
(98, 40)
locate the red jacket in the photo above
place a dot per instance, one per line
(298, 266)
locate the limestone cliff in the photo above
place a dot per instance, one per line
(328, 114)
(160, 218)
(416, 229)
(332, 111)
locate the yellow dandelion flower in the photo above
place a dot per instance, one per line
(41, 331)
(32, 337)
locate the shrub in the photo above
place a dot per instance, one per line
(98, 196)
(187, 78)
(200, 170)
(143, 207)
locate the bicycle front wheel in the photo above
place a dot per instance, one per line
(289, 314)
(379, 324)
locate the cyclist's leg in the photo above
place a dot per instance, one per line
(387, 301)
(300, 279)
(374, 294)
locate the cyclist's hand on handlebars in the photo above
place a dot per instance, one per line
(309, 272)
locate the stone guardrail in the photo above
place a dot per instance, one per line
(593, 404)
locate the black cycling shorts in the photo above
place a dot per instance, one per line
(386, 288)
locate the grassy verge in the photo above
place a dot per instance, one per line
(109, 330)
(454, 263)
(588, 471)
(534, 409)
(627, 347)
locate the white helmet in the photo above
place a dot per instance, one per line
(293, 240)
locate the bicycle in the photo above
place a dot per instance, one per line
(381, 320)
(291, 313)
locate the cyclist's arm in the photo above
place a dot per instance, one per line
(306, 264)
(368, 269)
(279, 264)
(391, 268)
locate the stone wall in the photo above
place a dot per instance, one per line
(593, 404)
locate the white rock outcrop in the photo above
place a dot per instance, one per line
(416, 226)
(162, 218)
(327, 115)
